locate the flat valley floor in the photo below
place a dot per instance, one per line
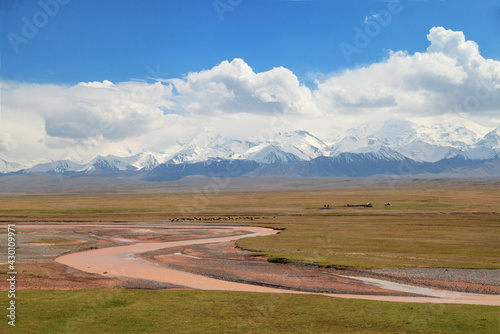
(436, 243)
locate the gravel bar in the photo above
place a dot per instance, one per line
(475, 276)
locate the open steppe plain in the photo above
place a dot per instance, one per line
(436, 234)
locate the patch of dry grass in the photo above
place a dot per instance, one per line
(414, 197)
(385, 241)
(429, 224)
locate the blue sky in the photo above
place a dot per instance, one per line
(117, 40)
(121, 76)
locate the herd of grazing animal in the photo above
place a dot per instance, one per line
(367, 205)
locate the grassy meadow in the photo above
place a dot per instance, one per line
(142, 311)
(453, 224)
(430, 223)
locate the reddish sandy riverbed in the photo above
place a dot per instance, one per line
(123, 261)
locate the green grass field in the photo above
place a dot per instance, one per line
(453, 224)
(140, 311)
(385, 241)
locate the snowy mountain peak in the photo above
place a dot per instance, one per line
(9, 167)
(491, 139)
(353, 144)
(207, 147)
(300, 143)
(109, 163)
(270, 154)
(423, 142)
(486, 148)
(144, 160)
(389, 140)
(395, 132)
(60, 166)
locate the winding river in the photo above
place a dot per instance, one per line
(121, 261)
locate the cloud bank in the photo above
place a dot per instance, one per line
(80, 121)
(451, 76)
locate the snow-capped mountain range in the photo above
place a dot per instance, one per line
(394, 141)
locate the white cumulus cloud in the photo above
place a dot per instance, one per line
(451, 76)
(53, 121)
(233, 87)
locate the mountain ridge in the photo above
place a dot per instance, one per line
(366, 150)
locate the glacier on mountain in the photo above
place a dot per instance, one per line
(392, 140)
